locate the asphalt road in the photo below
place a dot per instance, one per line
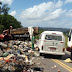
(52, 63)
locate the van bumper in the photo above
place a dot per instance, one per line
(53, 53)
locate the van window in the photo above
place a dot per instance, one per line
(52, 37)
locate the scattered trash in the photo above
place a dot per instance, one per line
(1, 58)
(52, 67)
(58, 71)
(38, 69)
(36, 54)
(38, 63)
(18, 56)
(38, 58)
(5, 54)
(42, 57)
(55, 66)
(68, 60)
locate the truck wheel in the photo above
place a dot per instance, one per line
(6, 38)
(9, 38)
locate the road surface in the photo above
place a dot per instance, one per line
(52, 63)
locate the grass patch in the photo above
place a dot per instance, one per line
(66, 39)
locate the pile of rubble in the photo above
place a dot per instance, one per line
(17, 56)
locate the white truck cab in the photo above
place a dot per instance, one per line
(69, 43)
(52, 42)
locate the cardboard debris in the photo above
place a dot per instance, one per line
(8, 57)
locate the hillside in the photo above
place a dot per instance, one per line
(54, 29)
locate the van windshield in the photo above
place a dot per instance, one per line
(52, 37)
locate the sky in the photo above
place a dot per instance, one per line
(42, 13)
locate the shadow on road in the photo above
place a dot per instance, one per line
(57, 56)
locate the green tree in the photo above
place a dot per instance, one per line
(0, 19)
(1, 28)
(40, 31)
(9, 20)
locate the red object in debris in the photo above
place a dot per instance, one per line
(6, 60)
(14, 59)
(5, 35)
(1, 36)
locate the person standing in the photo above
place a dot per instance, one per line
(33, 41)
(10, 28)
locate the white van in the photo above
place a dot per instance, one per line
(52, 42)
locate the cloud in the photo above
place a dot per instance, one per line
(68, 1)
(50, 14)
(7, 1)
(55, 14)
(69, 13)
(37, 11)
(59, 4)
(13, 13)
(42, 12)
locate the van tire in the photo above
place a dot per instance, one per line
(60, 56)
(41, 54)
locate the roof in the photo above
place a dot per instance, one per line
(50, 32)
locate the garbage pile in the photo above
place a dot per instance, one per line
(17, 56)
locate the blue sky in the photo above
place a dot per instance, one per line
(42, 13)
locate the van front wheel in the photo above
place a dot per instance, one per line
(41, 54)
